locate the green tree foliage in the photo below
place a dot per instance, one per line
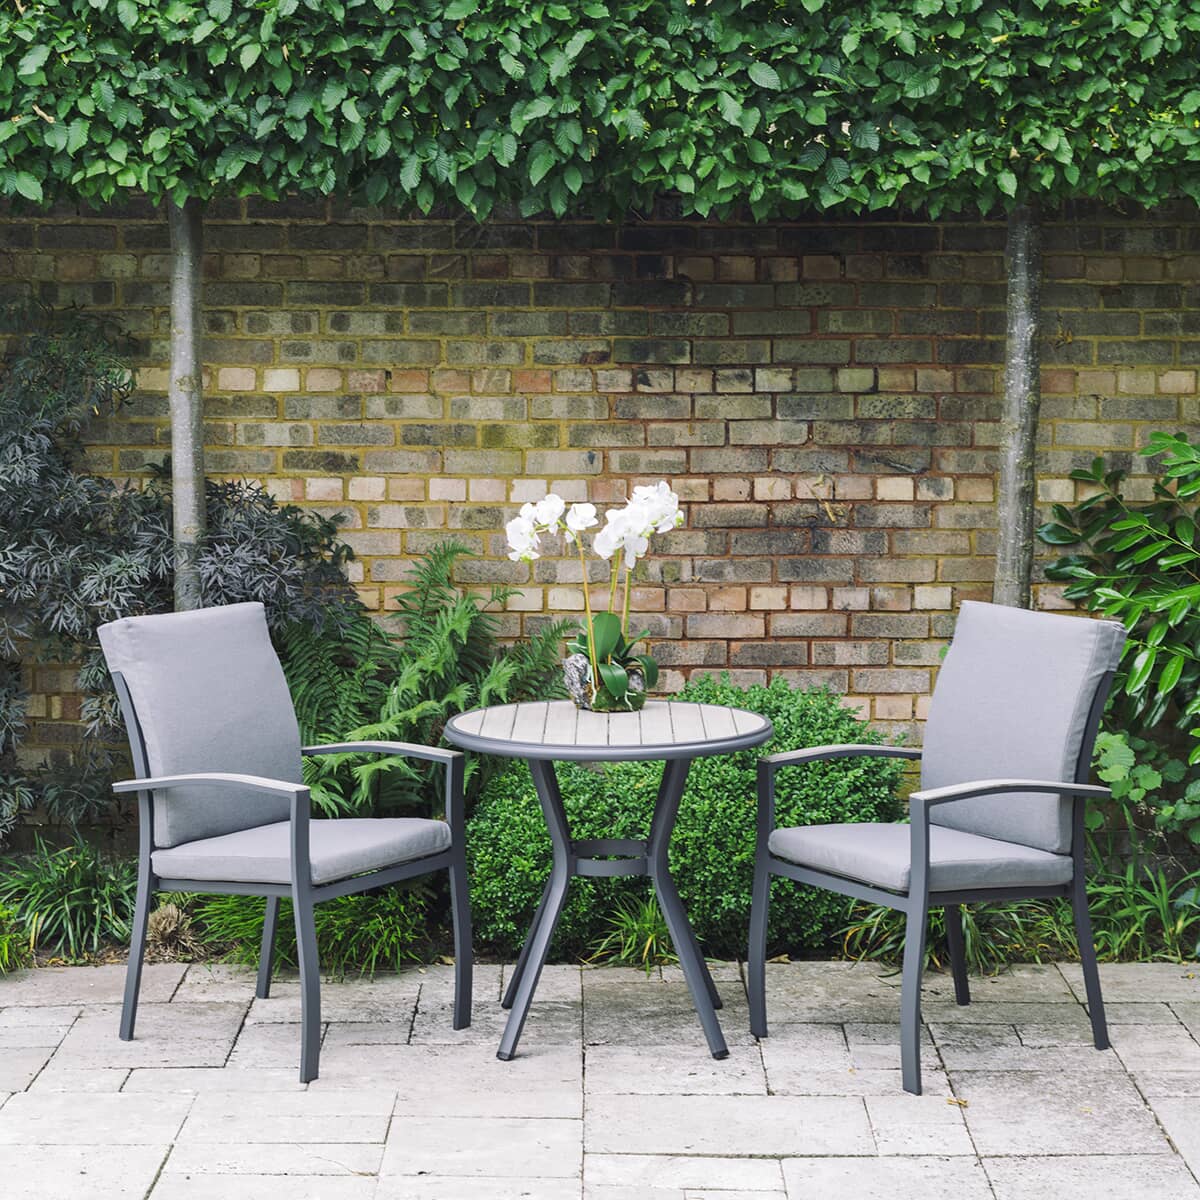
(602, 105)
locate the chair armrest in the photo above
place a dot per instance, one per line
(850, 750)
(992, 787)
(453, 760)
(400, 749)
(768, 765)
(245, 783)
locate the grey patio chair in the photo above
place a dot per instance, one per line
(999, 814)
(223, 808)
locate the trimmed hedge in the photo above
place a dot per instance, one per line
(712, 852)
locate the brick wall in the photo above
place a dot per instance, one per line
(823, 396)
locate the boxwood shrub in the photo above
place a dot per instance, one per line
(712, 852)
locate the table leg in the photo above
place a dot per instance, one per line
(537, 946)
(695, 969)
(519, 969)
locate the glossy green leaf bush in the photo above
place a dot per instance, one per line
(1139, 563)
(14, 943)
(712, 851)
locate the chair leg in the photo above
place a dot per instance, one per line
(958, 953)
(910, 994)
(1087, 959)
(756, 963)
(460, 908)
(137, 953)
(266, 955)
(310, 985)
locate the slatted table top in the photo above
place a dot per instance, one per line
(557, 730)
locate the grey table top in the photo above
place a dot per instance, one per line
(557, 730)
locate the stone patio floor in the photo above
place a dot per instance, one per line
(613, 1096)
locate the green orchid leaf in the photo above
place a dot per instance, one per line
(606, 633)
(615, 680)
(649, 669)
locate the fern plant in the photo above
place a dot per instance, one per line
(379, 685)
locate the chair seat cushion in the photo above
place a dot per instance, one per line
(879, 854)
(337, 849)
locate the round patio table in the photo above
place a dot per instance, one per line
(546, 732)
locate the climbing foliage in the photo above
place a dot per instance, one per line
(602, 106)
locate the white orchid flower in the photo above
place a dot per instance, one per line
(522, 539)
(661, 506)
(549, 510)
(580, 517)
(610, 539)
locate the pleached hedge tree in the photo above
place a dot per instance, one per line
(601, 108)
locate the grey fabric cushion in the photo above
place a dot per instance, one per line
(1012, 701)
(879, 854)
(337, 849)
(210, 696)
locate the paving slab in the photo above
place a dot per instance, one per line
(550, 1022)
(1155, 1048)
(262, 1187)
(727, 1126)
(449, 1081)
(88, 985)
(24, 1016)
(270, 1045)
(1138, 981)
(1081, 1112)
(216, 1079)
(931, 1123)
(56, 1172)
(835, 1060)
(443, 1187)
(500, 1147)
(19, 1068)
(302, 1117)
(175, 1035)
(1166, 1085)
(653, 1172)
(660, 1014)
(558, 981)
(885, 1179)
(222, 982)
(384, 998)
(28, 1037)
(1177, 1117)
(1113, 1177)
(1000, 1048)
(1004, 1012)
(1026, 982)
(276, 1158)
(54, 1078)
(667, 1070)
(76, 1119)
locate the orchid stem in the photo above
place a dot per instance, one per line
(591, 630)
(625, 615)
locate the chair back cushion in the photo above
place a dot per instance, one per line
(210, 695)
(1012, 700)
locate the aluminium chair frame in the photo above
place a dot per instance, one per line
(303, 892)
(919, 899)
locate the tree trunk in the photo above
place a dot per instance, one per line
(185, 400)
(1019, 420)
